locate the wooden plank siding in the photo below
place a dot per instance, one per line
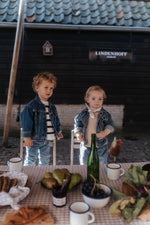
(125, 82)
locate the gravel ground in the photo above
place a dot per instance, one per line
(134, 148)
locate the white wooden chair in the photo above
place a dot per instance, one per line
(74, 145)
(52, 144)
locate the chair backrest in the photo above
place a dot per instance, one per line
(74, 145)
(52, 144)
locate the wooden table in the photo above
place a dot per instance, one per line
(41, 196)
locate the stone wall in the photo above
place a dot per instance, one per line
(66, 114)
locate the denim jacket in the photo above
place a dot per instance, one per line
(33, 119)
(104, 121)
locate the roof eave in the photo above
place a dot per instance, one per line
(76, 27)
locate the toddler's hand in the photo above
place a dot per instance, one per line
(80, 138)
(59, 137)
(28, 142)
(101, 135)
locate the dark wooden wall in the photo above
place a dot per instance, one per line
(126, 83)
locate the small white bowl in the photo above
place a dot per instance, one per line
(98, 202)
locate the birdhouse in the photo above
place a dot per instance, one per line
(47, 49)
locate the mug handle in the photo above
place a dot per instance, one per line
(92, 217)
(122, 172)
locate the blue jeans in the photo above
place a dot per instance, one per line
(39, 154)
(84, 153)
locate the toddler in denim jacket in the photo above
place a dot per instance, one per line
(93, 119)
(40, 121)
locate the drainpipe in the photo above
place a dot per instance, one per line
(13, 71)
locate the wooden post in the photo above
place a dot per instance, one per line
(13, 71)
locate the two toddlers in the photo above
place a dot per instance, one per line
(41, 124)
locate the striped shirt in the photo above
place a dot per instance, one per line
(50, 128)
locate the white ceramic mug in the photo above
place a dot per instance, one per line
(15, 164)
(114, 171)
(79, 214)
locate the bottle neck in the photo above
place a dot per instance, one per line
(93, 141)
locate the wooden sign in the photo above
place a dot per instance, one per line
(109, 55)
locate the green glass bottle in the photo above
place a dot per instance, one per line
(93, 161)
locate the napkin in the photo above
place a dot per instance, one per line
(17, 193)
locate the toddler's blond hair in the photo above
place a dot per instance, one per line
(94, 88)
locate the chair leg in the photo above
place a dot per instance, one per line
(54, 152)
(21, 143)
(71, 153)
